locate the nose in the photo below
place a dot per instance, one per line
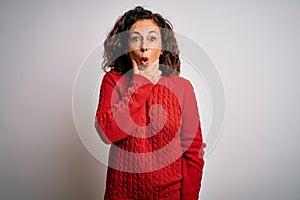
(144, 46)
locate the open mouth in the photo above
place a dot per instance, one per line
(145, 61)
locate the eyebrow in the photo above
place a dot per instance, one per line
(136, 32)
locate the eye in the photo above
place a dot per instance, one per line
(136, 39)
(153, 39)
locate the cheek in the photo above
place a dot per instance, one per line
(155, 53)
(133, 54)
(133, 51)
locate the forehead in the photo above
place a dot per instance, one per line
(145, 25)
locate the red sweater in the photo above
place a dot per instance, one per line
(155, 153)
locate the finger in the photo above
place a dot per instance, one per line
(157, 76)
(157, 79)
(156, 65)
(153, 67)
(135, 66)
(156, 61)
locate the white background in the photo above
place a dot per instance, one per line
(254, 45)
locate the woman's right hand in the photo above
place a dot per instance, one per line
(151, 71)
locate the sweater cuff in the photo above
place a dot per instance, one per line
(189, 196)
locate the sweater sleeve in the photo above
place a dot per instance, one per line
(192, 145)
(117, 117)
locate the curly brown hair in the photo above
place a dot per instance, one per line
(115, 45)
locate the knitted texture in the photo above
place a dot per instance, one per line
(156, 138)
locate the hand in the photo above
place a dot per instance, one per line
(151, 71)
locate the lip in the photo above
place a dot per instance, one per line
(145, 61)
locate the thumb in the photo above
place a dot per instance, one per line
(156, 61)
(155, 65)
(135, 66)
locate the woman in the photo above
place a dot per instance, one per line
(148, 113)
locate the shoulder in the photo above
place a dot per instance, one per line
(113, 77)
(116, 81)
(182, 82)
(181, 86)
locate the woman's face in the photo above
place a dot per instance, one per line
(144, 43)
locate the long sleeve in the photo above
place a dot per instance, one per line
(192, 145)
(118, 115)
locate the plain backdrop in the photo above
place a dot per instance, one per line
(254, 45)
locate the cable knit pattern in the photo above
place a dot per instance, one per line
(159, 151)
